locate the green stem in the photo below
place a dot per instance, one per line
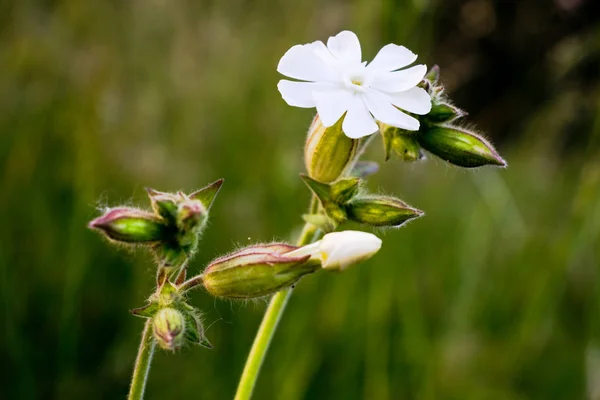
(269, 324)
(142, 364)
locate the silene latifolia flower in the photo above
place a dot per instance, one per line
(335, 80)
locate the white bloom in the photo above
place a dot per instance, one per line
(339, 250)
(336, 81)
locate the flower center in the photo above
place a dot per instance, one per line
(357, 79)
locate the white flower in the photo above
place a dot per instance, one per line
(336, 81)
(339, 250)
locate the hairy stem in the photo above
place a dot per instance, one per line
(142, 364)
(269, 323)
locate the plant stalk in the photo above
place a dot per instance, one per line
(142, 364)
(269, 323)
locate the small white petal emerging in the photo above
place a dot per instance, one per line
(415, 100)
(345, 47)
(339, 250)
(384, 111)
(332, 105)
(358, 121)
(398, 81)
(392, 57)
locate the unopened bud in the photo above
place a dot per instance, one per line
(164, 204)
(381, 211)
(444, 112)
(339, 250)
(328, 151)
(459, 147)
(129, 225)
(403, 144)
(255, 271)
(169, 328)
(433, 75)
(191, 215)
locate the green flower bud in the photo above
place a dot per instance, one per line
(164, 204)
(444, 112)
(191, 215)
(400, 142)
(129, 225)
(254, 271)
(170, 206)
(381, 211)
(328, 151)
(459, 147)
(169, 328)
(433, 75)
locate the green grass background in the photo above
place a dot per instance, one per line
(493, 295)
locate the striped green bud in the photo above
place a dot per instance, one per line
(168, 327)
(328, 152)
(129, 225)
(255, 271)
(459, 147)
(381, 211)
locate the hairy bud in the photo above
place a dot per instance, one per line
(255, 271)
(169, 328)
(191, 215)
(381, 211)
(459, 147)
(328, 151)
(129, 225)
(403, 144)
(444, 112)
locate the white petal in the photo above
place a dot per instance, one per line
(398, 81)
(383, 110)
(301, 62)
(323, 53)
(345, 47)
(358, 121)
(415, 100)
(331, 105)
(342, 249)
(300, 94)
(392, 57)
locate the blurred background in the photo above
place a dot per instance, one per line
(493, 295)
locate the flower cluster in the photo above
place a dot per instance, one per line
(354, 99)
